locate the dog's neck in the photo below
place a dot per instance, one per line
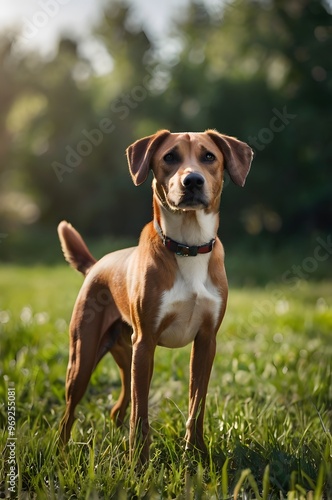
(190, 227)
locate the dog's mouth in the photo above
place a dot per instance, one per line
(178, 198)
(189, 201)
(193, 202)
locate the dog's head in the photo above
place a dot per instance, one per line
(188, 167)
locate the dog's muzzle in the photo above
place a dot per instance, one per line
(193, 191)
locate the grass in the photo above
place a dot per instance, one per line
(268, 415)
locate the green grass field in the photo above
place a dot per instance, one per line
(269, 407)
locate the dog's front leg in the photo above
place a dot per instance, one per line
(142, 369)
(202, 356)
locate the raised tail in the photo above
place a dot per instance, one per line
(74, 249)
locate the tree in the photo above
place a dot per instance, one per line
(257, 70)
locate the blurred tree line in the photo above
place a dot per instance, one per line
(259, 70)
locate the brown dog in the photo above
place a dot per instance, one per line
(169, 291)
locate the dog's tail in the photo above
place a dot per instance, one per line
(74, 249)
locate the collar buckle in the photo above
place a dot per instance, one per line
(186, 251)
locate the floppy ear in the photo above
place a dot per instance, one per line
(237, 154)
(139, 155)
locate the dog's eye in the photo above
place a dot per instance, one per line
(170, 158)
(209, 157)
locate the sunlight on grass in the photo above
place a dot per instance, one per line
(268, 415)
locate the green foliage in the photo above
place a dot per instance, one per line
(258, 70)
(268, 418)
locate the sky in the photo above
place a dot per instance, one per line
(42, 21)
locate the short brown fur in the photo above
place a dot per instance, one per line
(135, 299)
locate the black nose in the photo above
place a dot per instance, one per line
(193, 181)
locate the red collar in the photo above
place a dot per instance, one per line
(181, 249)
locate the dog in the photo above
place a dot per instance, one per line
(170, 290)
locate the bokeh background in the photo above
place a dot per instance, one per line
(81, 80)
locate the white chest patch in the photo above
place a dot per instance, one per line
(192, 296)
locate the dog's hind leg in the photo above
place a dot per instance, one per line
(122, 353)
(80, 366)
(117, 341)
(87, 327)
